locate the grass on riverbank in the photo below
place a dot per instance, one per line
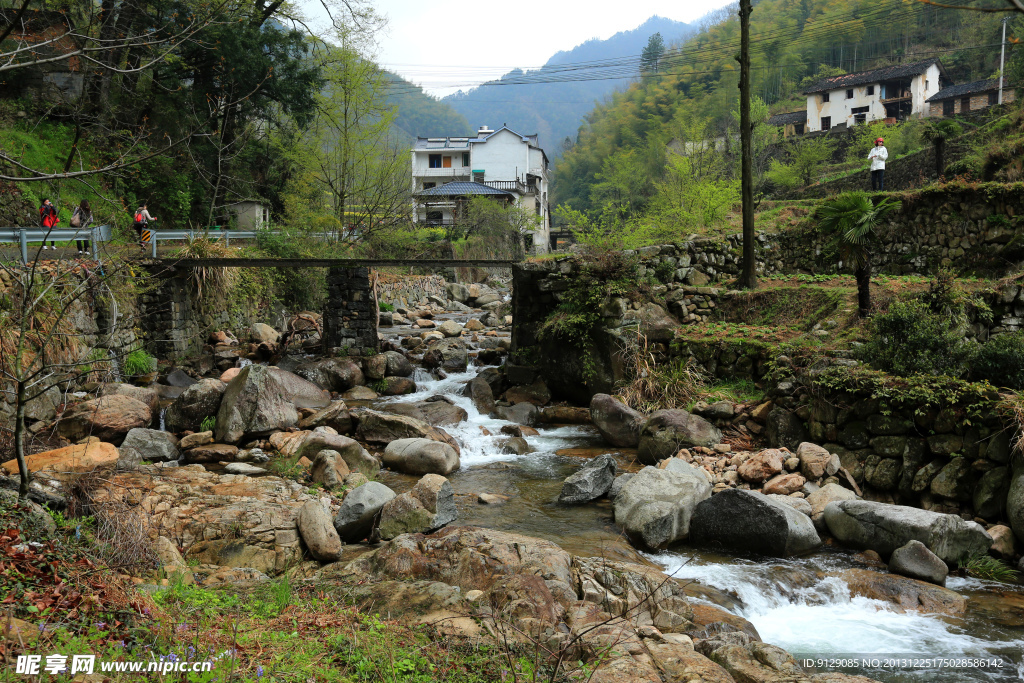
(61, 598)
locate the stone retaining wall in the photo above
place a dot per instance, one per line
(907, 452)
(408, 290)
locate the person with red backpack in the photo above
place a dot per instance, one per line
(142, 219)
(48, 219)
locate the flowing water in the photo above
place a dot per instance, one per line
(798, 604)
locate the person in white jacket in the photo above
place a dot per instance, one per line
(877, 157)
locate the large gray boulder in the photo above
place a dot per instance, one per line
(481, 394)
(383, 428)
(254, 405)
(735, 519)
(448, 354)
(397, 365)
(618, 423)
(884, 528)
(525, 414)
(332, 374)
(421, 456)
(329, 469)
(666, 431)
(317, 531)
(916, 561)
(150, 445)
(300, 391)
(197, 402)
(355, 517)
(437, 411)
(655, 506)
(428, 506)
(592, 480)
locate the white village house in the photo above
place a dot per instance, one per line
(891, 93)
(501, 164)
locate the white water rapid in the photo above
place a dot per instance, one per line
(801, 605)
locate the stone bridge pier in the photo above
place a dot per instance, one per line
(350, 314)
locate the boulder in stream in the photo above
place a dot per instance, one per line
(618, 424)
(333, 374)
(480, 392)
(318, 532)
(108, 418)
(255, 404)
(448, 354)
(197, 402)
(735, 519)
(428, 506)
(421, 456)
(916, 561)
(592, 480)
(355, 517)
(666, 431)
(655, 506)
(150, 445)
(884, 528)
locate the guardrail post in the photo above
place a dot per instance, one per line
(227, 239)
(94, 233)
(152, 241)
(23, 238)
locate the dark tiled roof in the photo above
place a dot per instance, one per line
(886, 73)
(461, 189)
(788, 118)
(965, 89)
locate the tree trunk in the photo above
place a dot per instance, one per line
(748, 277)
(19, 440)
(863, 275)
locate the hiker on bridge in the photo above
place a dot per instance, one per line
(142, 219)
(82, 218)
(48, 219)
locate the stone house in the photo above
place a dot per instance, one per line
(891, 93)
(968, 97)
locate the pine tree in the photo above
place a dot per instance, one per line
(652, 54)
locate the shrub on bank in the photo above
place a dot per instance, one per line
(911, 339)
(1001, 361)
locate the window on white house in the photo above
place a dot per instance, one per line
(871, 90)
(824, 97)
(849, 93)
(434, 161)
(427, 186)
(826, 122)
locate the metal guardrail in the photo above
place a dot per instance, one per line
(22, 236)
(228, 235)
(102, 233)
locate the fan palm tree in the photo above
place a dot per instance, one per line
(850, 220)
(938, 132)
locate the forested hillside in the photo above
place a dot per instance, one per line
(551, 101)
(417, 113)
(622, 148)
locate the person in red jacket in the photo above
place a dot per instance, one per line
(48, 218)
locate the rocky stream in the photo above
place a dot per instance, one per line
(482, 474)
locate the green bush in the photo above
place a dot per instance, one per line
(385, 306)
(1001, 361)
(138, 362)
(910, 339)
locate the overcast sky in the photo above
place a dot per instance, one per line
(445, 45)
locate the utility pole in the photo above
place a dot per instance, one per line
(748, 276)
(1002, 60)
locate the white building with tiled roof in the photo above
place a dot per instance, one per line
(500, 159)
(891, 93)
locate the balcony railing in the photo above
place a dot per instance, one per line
(508, 185)
(461, 171)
